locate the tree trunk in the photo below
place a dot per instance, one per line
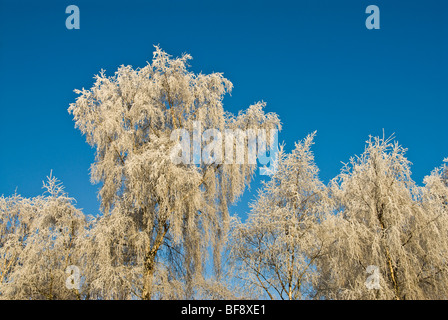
(150, 261)
(393, 274)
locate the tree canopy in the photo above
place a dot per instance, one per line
(170, 160)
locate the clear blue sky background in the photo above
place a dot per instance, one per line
(314, 63)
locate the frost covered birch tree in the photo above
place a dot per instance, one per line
(385, 221)
(159, 216)
(276, 249)
(38, 241)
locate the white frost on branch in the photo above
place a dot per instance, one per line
(38, 241)
(276, 249)
(165, 214)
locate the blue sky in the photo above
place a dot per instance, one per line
(313, 62)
